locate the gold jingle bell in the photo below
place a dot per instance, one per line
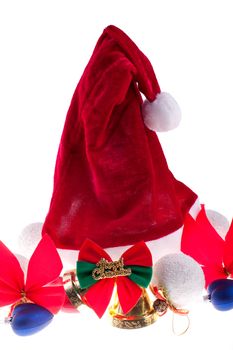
(141, 315)
(73, 291)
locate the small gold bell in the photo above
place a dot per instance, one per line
(141, 315)
(73, 291)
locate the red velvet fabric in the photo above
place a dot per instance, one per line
(112, 183)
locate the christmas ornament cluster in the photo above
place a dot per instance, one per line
(138, 242)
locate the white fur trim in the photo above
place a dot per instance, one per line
(163, 114)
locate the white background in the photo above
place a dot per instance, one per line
(44, 47)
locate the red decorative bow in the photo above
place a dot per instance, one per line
(201, 241)
(97, 272)
(40, 287)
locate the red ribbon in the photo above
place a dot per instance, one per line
(42, 284)
(201, 241)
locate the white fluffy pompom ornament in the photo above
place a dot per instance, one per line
(218, 221)
(163, 114)
(180, 278)
(23, 261)
(29, 238)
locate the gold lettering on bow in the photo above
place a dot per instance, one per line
(110, 269)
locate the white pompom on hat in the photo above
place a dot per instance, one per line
(163, 114)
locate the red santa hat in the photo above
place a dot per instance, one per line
(112, 183)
